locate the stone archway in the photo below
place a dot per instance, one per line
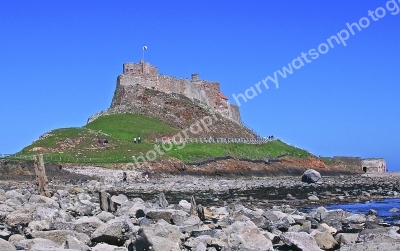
(364, 169)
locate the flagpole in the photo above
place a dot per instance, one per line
(143, 53)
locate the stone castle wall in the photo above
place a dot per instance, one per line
(353, 161)
(146, 75)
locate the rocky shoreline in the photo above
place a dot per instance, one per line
(170, 212)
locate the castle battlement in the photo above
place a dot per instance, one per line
(143, 74)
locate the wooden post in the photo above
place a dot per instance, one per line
(41, 178)
(193, 207)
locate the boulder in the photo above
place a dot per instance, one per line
(301, 240)
(311, 176)
(44, 213)
(160, 237)
(39, 199)
(323, 227)
(6, 246)
(324, 239)
(106, 247)
(355, 219)
(60, 236)
(246, 236)
(75, 244)
(36, 244)
(346, 238)
(185, 205)
(176, 217)
(105, 216)
(114, 232)
(87, 225)
(117, 200)
(313, 198)
(18, 219)
(138, 208)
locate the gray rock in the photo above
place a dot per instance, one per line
(162, 201)
(301, 240)
(44, 213)
(270, 216)
(185, 205)
(306, 227)
(371, 247)
(60, 236)
(160, 236)
(355, 218)
(324, 239)
(380, 235)
(87, 225)
(118, 200)
(74, 243)
(16, 219)
(105, 216)
(6, 246)
(37, 244)
(114, 232)
(106, 247)
(176, 217)
(311, 176)
(49, 203)
(346, 238)
(5, 210)
(246, 236)
(15, 238)
(38, 226)
(313, 198)
(138, 209)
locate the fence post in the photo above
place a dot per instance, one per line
(41, 178)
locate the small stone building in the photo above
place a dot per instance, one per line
(374, 165)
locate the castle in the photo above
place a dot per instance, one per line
(138, 76)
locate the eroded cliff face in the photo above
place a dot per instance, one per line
(234, 167)
(24, 170)
(174, 109)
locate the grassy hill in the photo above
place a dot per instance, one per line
(79, 145)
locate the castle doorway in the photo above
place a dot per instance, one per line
(364, 169)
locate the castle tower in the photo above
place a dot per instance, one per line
(195, 77)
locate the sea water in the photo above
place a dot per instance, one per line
(381, 206)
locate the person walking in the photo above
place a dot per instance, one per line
(124, 176)
(134, 140)
(139, 139)
(105, 142)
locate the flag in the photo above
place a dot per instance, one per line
(144, 47)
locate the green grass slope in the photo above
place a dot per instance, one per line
(79, 145)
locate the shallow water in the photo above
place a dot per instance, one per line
(381, 206)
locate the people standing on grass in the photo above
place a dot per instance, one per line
(100, 142)
(105, 142)
(139, 139)
(134, 140)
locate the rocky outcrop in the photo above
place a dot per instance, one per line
(177, 111)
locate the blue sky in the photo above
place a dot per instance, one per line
(59, 61)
